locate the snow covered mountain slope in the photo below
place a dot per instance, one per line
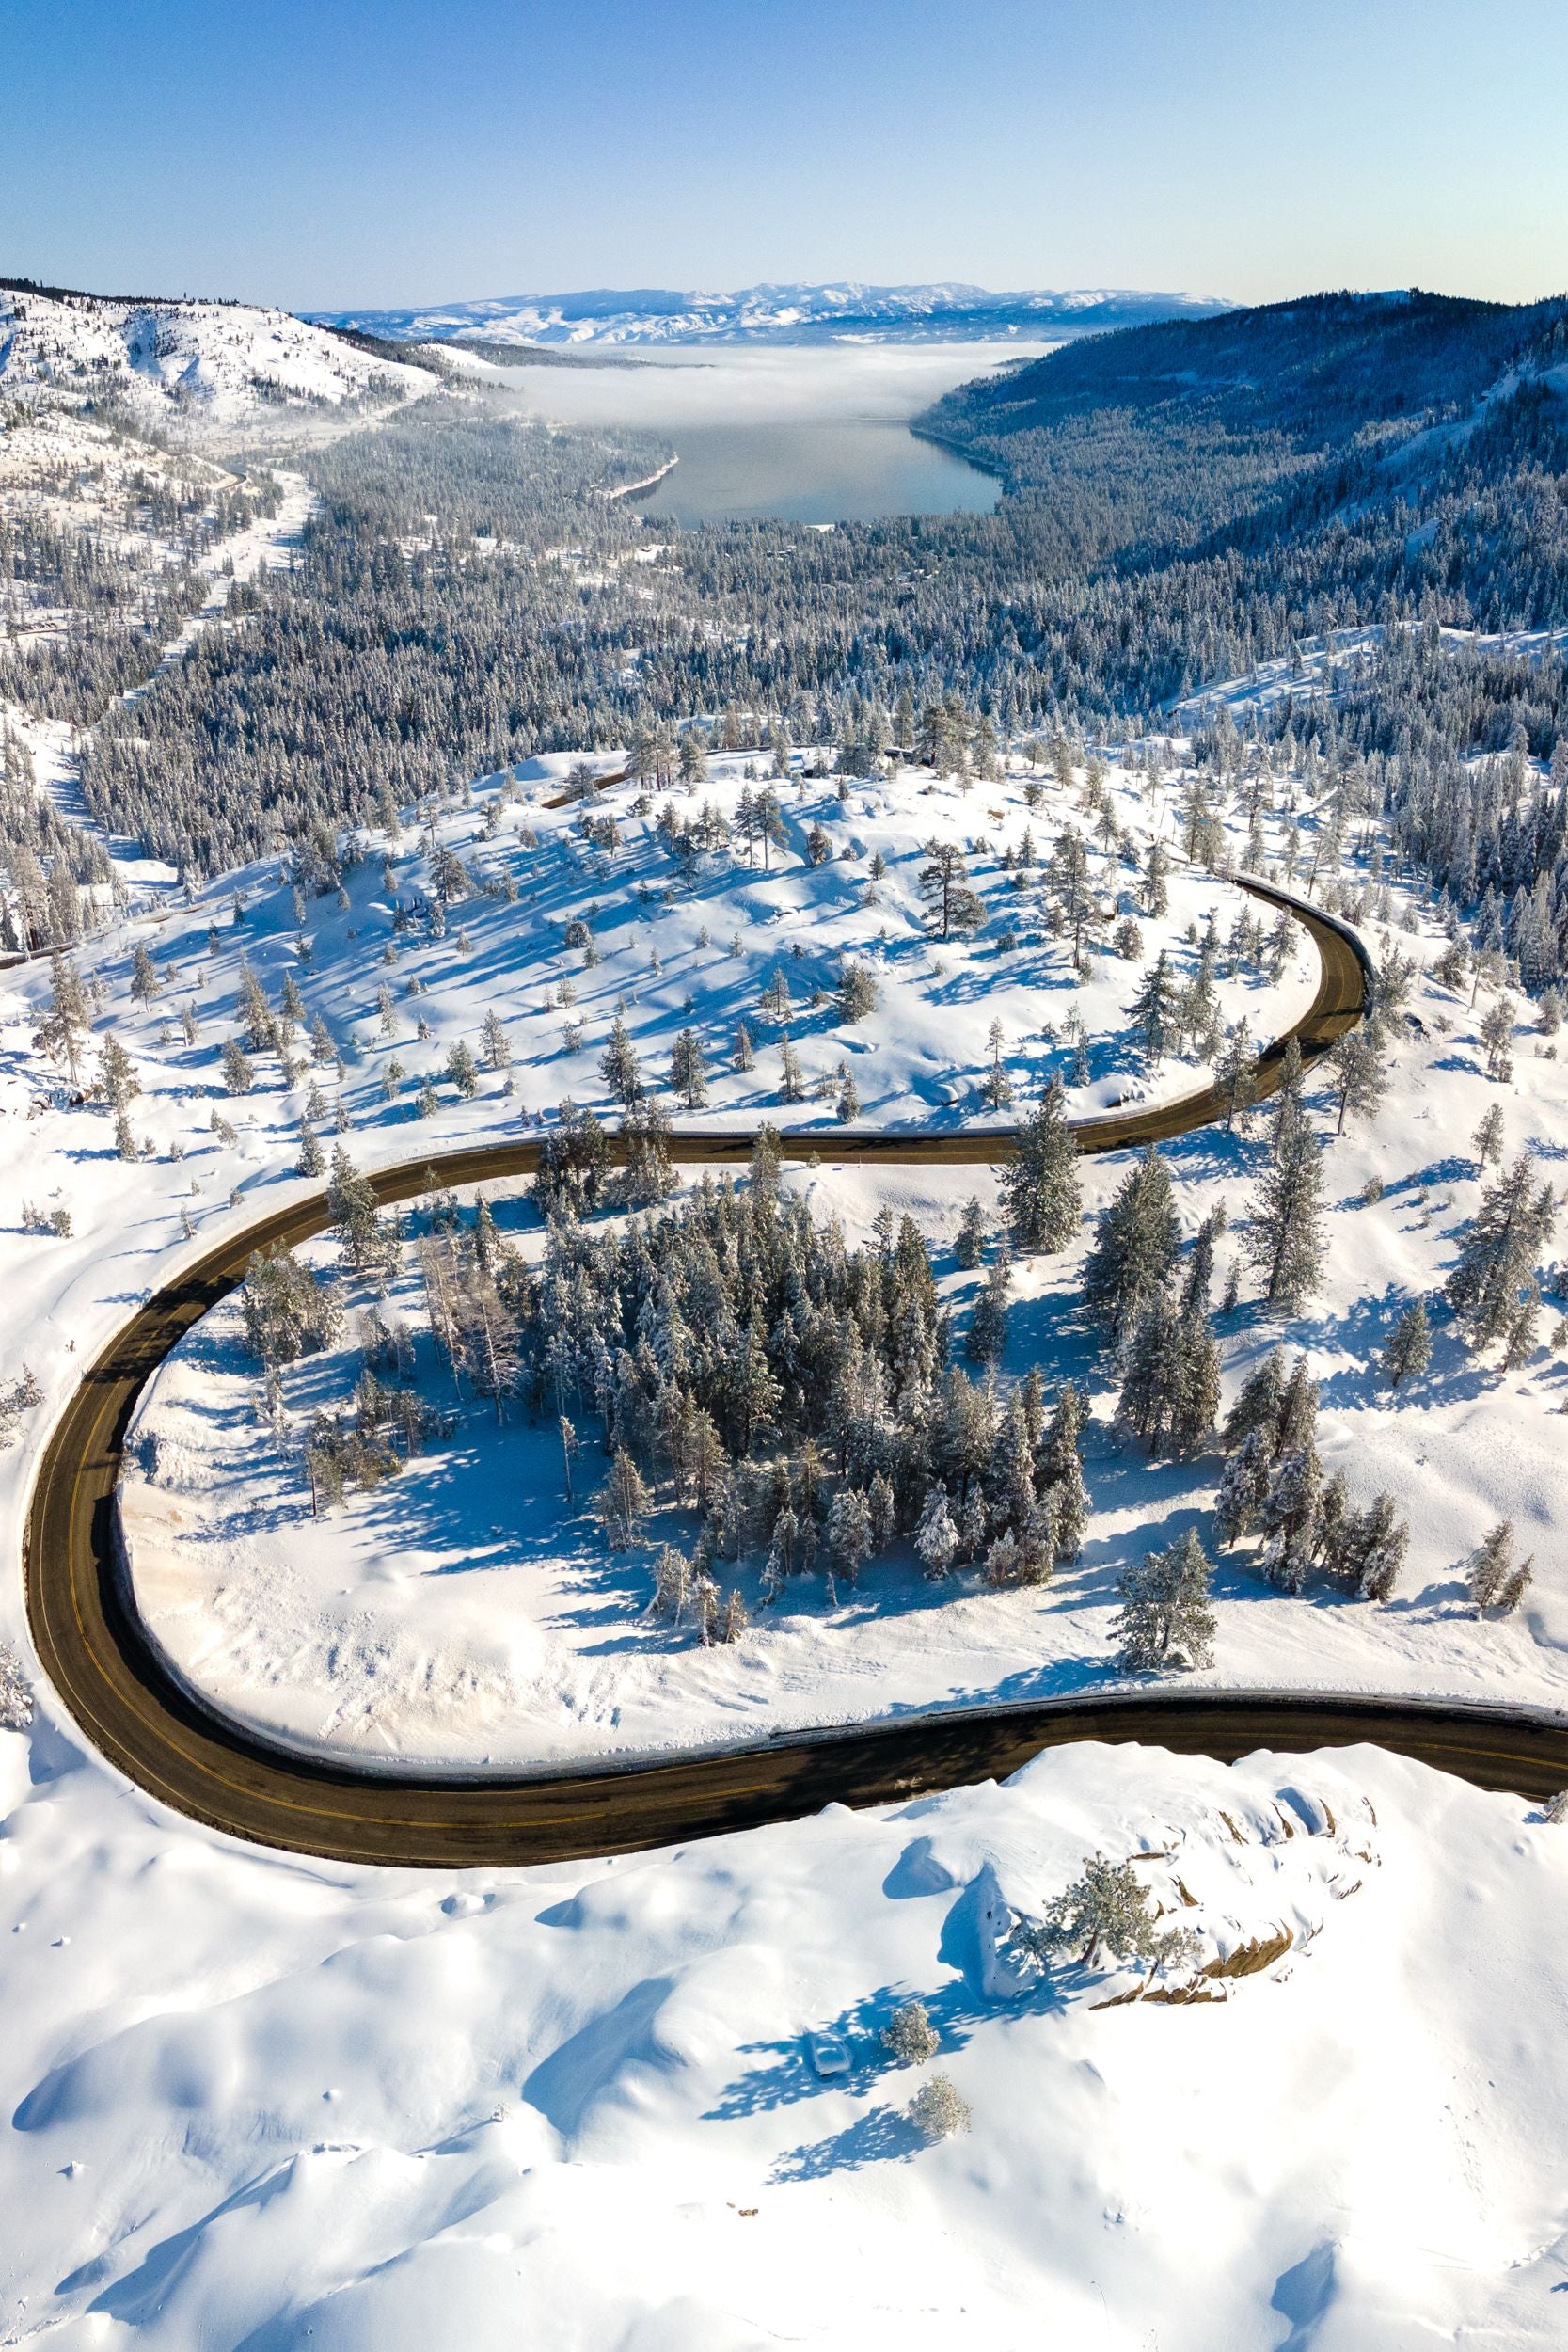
(645, 2106)
(767, 313)
(213, 366)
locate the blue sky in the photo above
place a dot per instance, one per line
(333, 152)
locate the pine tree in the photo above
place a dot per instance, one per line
(1042, 1196)
(791, 1084)
(1165, 1620)
(1488, 1139)
(732, 1617)
(1199, 1281)
(1196, 1402)
(619, 1066)
(1259, 1403)
(463, 1070)
(311, 1161)
(498, 1053)
(1291, 1518)
(1244, 1488)
(258, 1025)
(648, 1174)
(951, 904)
(1515, 1587)
(571, 1446)
(1071, 893)
(688, 1069)
(969, 1247)
(936, 1539)
(145, 983)
(911, 2038)
(672, 1583)
(1285, 1240)
(1409, 1349)
(1061, 1472)
(64, 1029)
(858, 993)
(1110, 1906)
(1359, 1073)
(366, 1246)
(239, 1076)
(624, 1501)
(996, 1088)
(1236, 1078)
(1498, 1254)
(1496, 1036)
(1367, 1549)
(1153, 1011)
(987, 1336)
(1492, 1572)
(1137, 1243)
(939, 2110)
(1151, 1373)
(745, 1055)
(1156, 897)
(116, 1072)
(1009, 1477)
(1298, 1410)
(851, 1537)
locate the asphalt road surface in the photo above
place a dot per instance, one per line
(98, 1657)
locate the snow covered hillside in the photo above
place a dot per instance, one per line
(784, 315)
(436, 1002)
(650, 2107)
(191, 368)
(645, 2104)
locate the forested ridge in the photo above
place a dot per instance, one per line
(1183, 502)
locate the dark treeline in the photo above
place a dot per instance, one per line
(124, 583)
(1462, 750)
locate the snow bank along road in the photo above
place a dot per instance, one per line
(148, 1725)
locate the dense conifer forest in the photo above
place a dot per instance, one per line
(1182, 502)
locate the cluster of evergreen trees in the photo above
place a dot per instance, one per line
(740, 1363)
(1273, 1488)
(124, 572)
(797, 1395)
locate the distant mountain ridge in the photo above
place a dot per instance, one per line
(775, 313)
(1321, 368)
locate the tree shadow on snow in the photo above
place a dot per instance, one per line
(884, 2136)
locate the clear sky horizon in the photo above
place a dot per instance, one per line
(373, 153)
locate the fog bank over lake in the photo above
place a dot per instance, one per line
(816, 435)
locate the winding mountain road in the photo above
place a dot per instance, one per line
(114, 1683)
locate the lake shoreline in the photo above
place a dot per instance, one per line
(809, 436)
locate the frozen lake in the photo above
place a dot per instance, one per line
(808, 436)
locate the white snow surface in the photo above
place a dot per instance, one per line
(257, 2102)
(199, 366)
